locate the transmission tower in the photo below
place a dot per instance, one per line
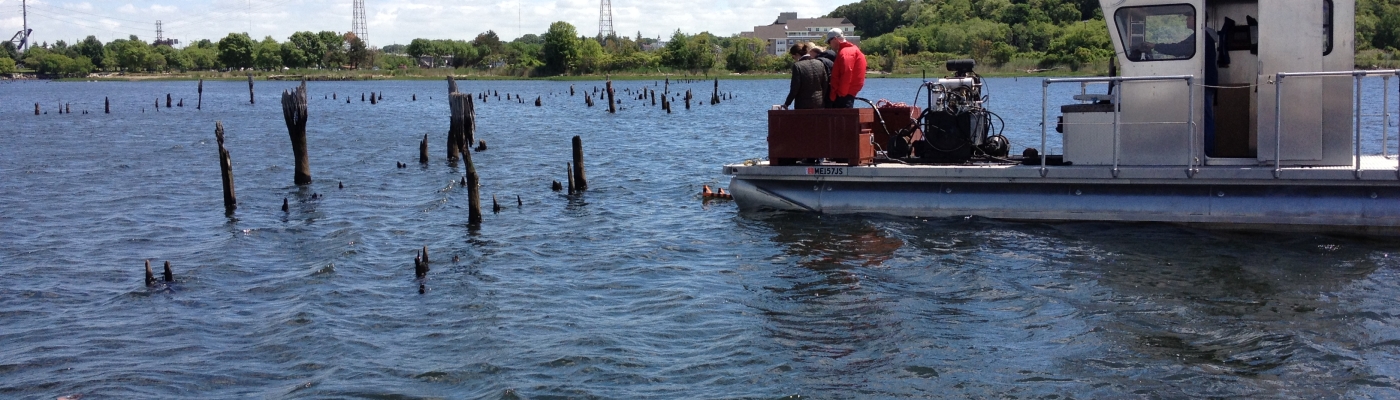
(21, 39)
(358, 25)
(160, 34)
(605, 25)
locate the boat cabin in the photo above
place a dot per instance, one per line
(1231, 51)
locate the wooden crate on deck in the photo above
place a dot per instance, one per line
(839, 135)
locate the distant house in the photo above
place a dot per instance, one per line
(788, 30)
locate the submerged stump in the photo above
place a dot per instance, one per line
(294, 113)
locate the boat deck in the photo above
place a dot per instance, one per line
(1375, 170)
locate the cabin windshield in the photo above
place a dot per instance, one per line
(1157, 33)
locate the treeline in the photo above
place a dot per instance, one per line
(1051, 32)
(1048, 32)
(236, 51)
(560, 50)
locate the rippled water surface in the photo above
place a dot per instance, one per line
(634, 289)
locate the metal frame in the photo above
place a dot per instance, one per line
(1118, 110)
(1356, 75)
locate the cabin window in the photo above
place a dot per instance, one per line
(1326, 27)
(1157, 33)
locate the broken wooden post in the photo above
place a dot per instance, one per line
(36, 108)
(362, 97)
(454, 128)
(150, 277)
(372, 99)
(569, 170)
(181, 104)
(463, 119)
(106, 105)
(225, 169)
(495, 206)
(200, 104)
(415, 97)
(169, 275)
(556, 186)
(714, 98)
(571, 90)
(381, 96)
(537, 101)
(294, 112)
(580, 181)
(167, 100)
(452, 85)
(423, 150)
(251, 100)
(612, 107)
(67, 108)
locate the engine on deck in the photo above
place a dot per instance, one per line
(955, 125)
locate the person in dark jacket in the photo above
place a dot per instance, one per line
(809, 80)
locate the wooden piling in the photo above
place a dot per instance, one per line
(285, 205)
(67, 108)
(652, 93)
(495, 206)
(251, 100)
(423, 150)
(569, 169)
(714, 98)
(518, 202)
(425, 254)
(106, 105)
(480, 145)
(225, 169)
(362, 97)
(451, 85)
(464, 119)
(150, 276)
(415, 97)
(612, 106)
(571, 90)
(36, 108)
(556, 186)
(537, 101)
(181, 104)
(167, 100)
(200, 104)
(580, 179)
(168, 275)
(294, 113)
(381, 96)
(372, 99)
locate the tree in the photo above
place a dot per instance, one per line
(873, 17)
(560, 47)
(358, 53)
(91, 48)
(201, 58)
(267, 55)
(744, 54)
(236, 50)
(8, 50)
(7, 65)
(174, 59)
(312, 50)
(333, 45)
(418, 48)
(591, 56)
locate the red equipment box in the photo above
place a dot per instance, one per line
(836, 134)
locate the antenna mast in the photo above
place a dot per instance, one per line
(358, 25)
(605, 22)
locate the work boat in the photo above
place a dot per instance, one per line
(1260, 130)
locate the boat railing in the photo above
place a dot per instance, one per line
(1357, 76)
(1117, 81)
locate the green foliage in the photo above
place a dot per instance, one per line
(873, 17)
(48, 62)
(333, 49)
(267, 54)
(560, 49)
(691, 53)
(358, 52)
(236, 50)
(591, 56)
(174, 59)
(745, 54)
(303, 49)
(91, 48)
(201, 58)
(7, 65)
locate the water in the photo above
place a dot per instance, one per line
(636, 288)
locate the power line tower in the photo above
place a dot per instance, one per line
(160, 34)
(605, 23)
(358, 25)
(21, 39)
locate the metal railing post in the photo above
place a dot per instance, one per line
(1278, 124)
(1356, 157)
(1385, 114)
(1044, 101)
(1117, 111)
(1191, 124)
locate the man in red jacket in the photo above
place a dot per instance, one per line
(847, 73)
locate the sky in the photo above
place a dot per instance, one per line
(389, 22)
